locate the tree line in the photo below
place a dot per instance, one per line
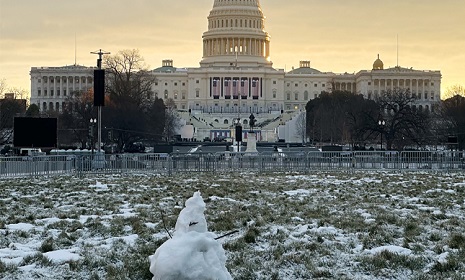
(392, 119)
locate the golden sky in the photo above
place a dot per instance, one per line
(335, 35)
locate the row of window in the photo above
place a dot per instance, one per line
(306, 85)
(166, 96)
(197, 94)
(50, 106)
(226, 23)
(400, 83)
(52, 92)
(45, 92)
(425, 95)
(296, 96)
(57, 106)
(70, 80)
(432, 109)
(175, 84)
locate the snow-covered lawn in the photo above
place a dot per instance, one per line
(323, 225)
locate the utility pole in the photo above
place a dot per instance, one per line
(99, 105)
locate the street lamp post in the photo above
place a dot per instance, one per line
(92, 122)
(382, 123)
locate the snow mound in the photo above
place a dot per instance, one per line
(392, 249)
(99, 186)
(20, 227)
(61, 256)
(192, 253)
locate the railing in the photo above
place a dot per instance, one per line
(36, 166)
(231, 162)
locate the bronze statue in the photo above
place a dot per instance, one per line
(252, 122)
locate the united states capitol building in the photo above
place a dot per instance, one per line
(236, 78)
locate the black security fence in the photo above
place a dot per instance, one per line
(169, 164)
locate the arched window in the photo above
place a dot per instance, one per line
(50, 106)
(226, 121)
(245, 122)
(166, 94)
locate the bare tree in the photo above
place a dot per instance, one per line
(453, 118)
(18, 93)
(129, 113)
(339, 117)
(172, 120)
(128, 77)
(9, 108)
(403, 121)
(75, 117)
(3, 87)
(453, 91)
(301, 127)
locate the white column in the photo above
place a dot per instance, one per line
(250, 47)
(267, 49)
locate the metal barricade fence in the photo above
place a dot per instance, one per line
(36, 166)
(124, 163)
(231, 162)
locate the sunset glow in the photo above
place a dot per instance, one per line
(336, 36)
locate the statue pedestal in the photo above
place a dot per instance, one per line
(251, 143)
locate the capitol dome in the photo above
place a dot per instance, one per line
(236, 35)
(378, 64)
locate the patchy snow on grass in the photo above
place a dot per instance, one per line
(322, 225)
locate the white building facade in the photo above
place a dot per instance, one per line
(50, 86)
(236, 77)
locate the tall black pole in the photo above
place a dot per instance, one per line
(100, 54)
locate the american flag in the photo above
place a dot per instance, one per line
(255, 87)
(227, 87)
(244, 87)
(235, 86)
(216, 87)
